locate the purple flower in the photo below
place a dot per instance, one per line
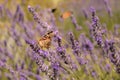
(43, 53)
(107, 68)
(93, 11)
(81, 61)
(85, 13)
(15, 35)
(94, 74)
(39, 19)
(22, 77)
(9, 14)
(60, 50)
(108, 8)
(55, 67)
(73, 19)
(86, 43)
(1, 11)
(58, 38)
(75, 44)
(116, 28)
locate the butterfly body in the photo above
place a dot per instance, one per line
(45, 41)
(66, 14)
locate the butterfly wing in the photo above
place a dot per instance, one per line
(66, 14)
(45, 41)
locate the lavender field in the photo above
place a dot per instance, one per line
(59, 39)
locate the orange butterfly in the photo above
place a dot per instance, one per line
(45, 41)
(66, 14)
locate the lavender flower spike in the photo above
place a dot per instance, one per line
(38, 19)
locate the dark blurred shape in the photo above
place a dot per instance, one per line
(53, 10)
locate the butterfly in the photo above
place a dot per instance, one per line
(45, 41)
(66, 14)
(53, 10)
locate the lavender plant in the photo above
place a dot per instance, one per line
(86, 56)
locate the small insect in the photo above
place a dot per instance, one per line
(53, 10)
(66, 14)
(45, 41)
